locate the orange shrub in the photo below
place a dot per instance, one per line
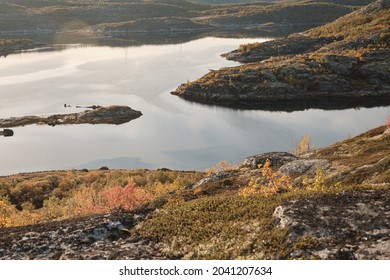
(123, 198)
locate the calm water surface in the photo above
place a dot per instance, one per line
(171, 133)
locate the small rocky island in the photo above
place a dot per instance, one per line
(343, 64)
(101, 115)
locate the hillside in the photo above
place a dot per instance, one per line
(330, 203)
(122, 19)
(342, 64)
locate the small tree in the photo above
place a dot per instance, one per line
(221, 166)
(6, 210)
(303, 146)
(275, 182)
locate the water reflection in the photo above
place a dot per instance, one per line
(126, 39)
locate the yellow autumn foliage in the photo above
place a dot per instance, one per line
(275, 182)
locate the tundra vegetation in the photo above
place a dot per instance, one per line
(225, 213)
(41, 197)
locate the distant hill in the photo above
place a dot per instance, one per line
(22, 18)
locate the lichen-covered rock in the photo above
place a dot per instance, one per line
(276, 159)
(304, 166)
(101, 237)
(213, 178)
(350, 225)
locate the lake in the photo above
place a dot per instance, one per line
(172, 133)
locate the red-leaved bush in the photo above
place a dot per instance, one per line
(123, 198)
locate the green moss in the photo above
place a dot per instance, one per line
(221, 226)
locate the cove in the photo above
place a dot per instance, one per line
(172, 133)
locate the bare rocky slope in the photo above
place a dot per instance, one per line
(347, 217)
(343, 64)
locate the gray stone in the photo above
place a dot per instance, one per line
(304, 166)
(379, 250)
(213, 178)
(276, 159)
(100, 237)
(360, 218)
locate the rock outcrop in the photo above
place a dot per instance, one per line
(276, 159)
(344, 64)
(350, 225)
(102, 237)
(102, 115)
(304, 166)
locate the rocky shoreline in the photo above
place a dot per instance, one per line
(101, 115)
(16, 46)
(345, 63)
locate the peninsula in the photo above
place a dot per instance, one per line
(343, 64)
